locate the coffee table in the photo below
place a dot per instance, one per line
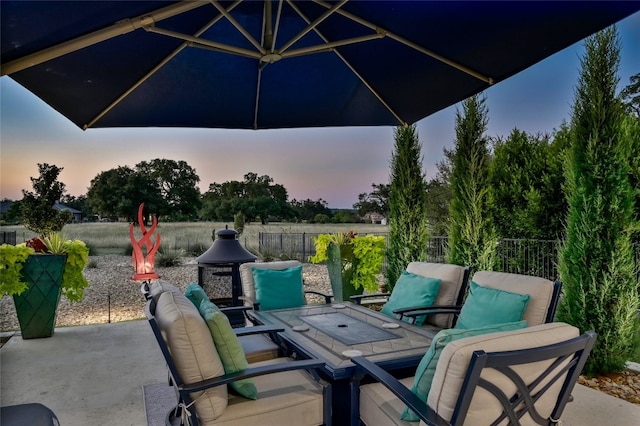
(334, 332)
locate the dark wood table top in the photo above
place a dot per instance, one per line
(339, 327)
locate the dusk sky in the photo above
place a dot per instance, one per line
(335, 164)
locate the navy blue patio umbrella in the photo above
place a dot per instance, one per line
(276, 63)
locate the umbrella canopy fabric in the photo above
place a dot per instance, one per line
(279, 64)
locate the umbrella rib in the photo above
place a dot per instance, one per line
(201, 42)
(313, 25)
(155, 69)
(330, 45)
(355, 72)
(119, 28)
(277, 26)
(239, 27)
(411, 44)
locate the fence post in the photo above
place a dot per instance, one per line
(304, 246)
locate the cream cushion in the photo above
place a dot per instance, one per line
(246, 275)
(159, 287)
(484, 408)
(380, 407)
(288, 398)
(257, 347)
(540, 290)
(192, 350)
(451, 280)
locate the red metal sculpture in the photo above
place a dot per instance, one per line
(144, 263)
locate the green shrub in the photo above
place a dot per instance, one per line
(169, 257)
(92, 264)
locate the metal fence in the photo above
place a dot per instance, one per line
(8, 237)
(527, 257)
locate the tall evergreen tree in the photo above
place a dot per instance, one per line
(472, 241)
(408, 235)
(596, 261)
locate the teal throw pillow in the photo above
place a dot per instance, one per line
(228, 346)
(486, 306)
(412, 290)
(427, 367)
(196, 294)
(279, 289)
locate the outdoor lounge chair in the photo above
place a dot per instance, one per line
(285, 391)
(284, 279)
(453, 285)
(515, 377)
(541, 308)
(257, 346)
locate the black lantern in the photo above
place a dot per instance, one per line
(225, 256)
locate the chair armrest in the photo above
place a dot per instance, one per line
(327, 297)
(412, 313)
(357, 299)
(423, 411)
(234, 309)
(258, 329)
(251, 372)
(254, 303)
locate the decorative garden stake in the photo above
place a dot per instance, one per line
(143, 264)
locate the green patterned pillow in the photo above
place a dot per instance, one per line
(427, 367)
(228, 347)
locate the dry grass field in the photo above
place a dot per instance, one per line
(113, 237)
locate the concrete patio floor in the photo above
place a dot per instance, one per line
(93, 375)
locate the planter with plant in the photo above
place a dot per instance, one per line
(36, 273)
(353, 262)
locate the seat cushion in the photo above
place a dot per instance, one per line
(279, 289)
(192, 350)
(427, 367)
(486, 306)
(412, 290)
(228, 346)
(451, 281)
(380, 407)
(258, 347)
(246, 275)
(455, 358)
(540, 290)
(288, 398)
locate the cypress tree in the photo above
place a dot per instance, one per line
(408, 235)
(472, 241)
(596, 261)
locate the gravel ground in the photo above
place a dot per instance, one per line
(113, 296)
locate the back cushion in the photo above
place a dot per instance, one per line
(246, 274)
(159, 287)
(279, 289)
(540, 290)
(192, 350)
(412, 290)
(451, 277)
(484, 408)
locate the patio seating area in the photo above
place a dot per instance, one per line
(94, 375)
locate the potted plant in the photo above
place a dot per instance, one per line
(36, 273)
(353, 261)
